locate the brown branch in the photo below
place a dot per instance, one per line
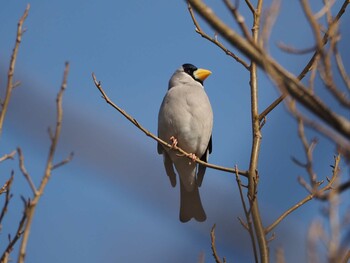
(11, 70)
(283, 79)
(319, 194)
(341, 68)
(292, 50)
(308, 149)
(248, 225)
(8, 156)
(326, 73)
(215, 41)
(270, 16)
(63, 162)
(253, 177)
(149, 134)
(47, 174)
(5, 256)
(250, 6)
(342, 143)
(239, 18)
(6, 188)
(213, 247)
(25, 172)
(308, 66)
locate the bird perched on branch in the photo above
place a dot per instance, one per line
(185, 120)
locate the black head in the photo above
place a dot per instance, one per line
(190, 69)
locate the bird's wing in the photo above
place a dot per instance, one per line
(168, 164)
(204, 158)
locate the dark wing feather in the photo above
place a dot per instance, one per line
(204, 158)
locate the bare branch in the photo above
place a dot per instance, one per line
(8, 156)
(238, 17)
(310, 65)
(250, 6)
(292, 50)
(213, 247)
(255, 149)
(6, 189)
(49, 165)
(25, 172)
(5, 256)
(215, 41)
(270, 16)
(63, 162)
(341, 67)
(247, 225)
(324, 10)
(326, 73)
(11, 70)
(319, 193)
(149, 134)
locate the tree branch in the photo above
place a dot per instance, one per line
(283, 79)
(30, 210)
(8, 156)
(214, 40)
(318, 193)
(254, 157)
(213, 247)
(5, 256)
(309, 65)
(25, 172)
(11, 70)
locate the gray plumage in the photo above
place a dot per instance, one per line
(186, 114)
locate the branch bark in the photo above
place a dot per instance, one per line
(11, 70)
(30, 209)
(253, 179)
(286, 82)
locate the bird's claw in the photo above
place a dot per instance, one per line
(192, 156)
(173, 142)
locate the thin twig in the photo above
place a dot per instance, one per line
(11, 69)
(5, 256)
(341, 67)
(8, 156)
(25, 172)
(47, 174)
(292, 50)
(309, 65)
(251, 7)
(270, 16)
(214, 40)
(149, 134)
(213, 247)
(248, 225)
(320, 194)
(7, 189)
(63, 162)
(239, 18)
(326, 73)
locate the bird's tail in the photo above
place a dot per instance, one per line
(191, 205)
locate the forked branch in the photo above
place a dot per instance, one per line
(11, 69)
(32, 204)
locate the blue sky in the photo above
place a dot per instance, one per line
(113, 202)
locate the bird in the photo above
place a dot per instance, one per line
(185, 120)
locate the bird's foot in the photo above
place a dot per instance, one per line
(173, 142)
(192, 156)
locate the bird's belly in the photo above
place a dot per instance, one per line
(192, 129)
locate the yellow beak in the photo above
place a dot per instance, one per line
(201, 74)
